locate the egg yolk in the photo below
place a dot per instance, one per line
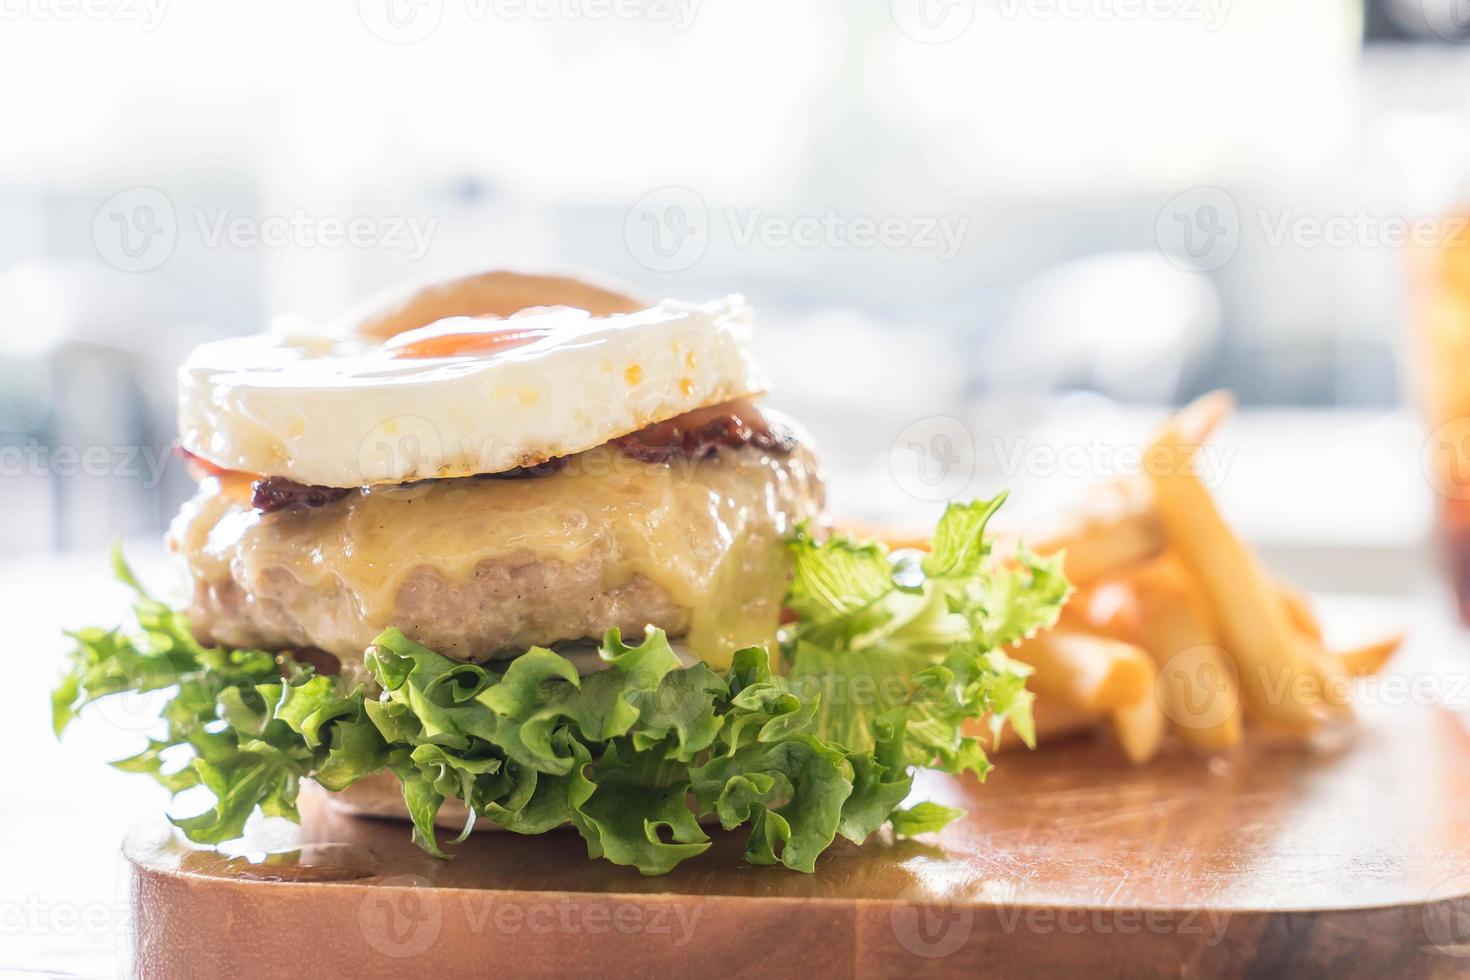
(469, 342)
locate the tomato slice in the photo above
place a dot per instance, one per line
(468, 342)
(199, 467)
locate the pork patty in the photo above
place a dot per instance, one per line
(478, 568)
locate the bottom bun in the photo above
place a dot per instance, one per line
(381, 795)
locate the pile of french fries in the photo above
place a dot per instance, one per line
(1175, 626)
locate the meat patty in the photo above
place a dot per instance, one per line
(509, 604)
(479, 568)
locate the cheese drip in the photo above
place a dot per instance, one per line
(710, 534)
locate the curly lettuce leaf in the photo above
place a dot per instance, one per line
(923, 651)
(249, 734)
(888, 664)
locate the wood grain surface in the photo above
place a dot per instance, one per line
(1348, 861)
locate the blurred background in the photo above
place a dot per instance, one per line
(989, 240)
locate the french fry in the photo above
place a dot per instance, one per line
(1140, 729)
(1198, 687)
(893, 538)
(1299, 611)
(1198, 420)
(1054, 722)
(1086, 672)
(1337, 683)
(1277, 676)
(1118, 525)
(1116, 529)
(1370, 659)
(1109, 609)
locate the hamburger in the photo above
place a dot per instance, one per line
(527, 552)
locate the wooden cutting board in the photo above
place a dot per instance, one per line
(1276, 861)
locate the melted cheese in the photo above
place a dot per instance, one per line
(709, 534)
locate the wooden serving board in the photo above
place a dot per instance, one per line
(1276, 861)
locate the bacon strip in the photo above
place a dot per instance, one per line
(693, 435)
(199, 467)
(273, 493)
(705, 431)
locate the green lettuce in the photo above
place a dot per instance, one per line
(889, 658)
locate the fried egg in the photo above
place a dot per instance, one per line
(461, 396)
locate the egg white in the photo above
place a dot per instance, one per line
(343, 412)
